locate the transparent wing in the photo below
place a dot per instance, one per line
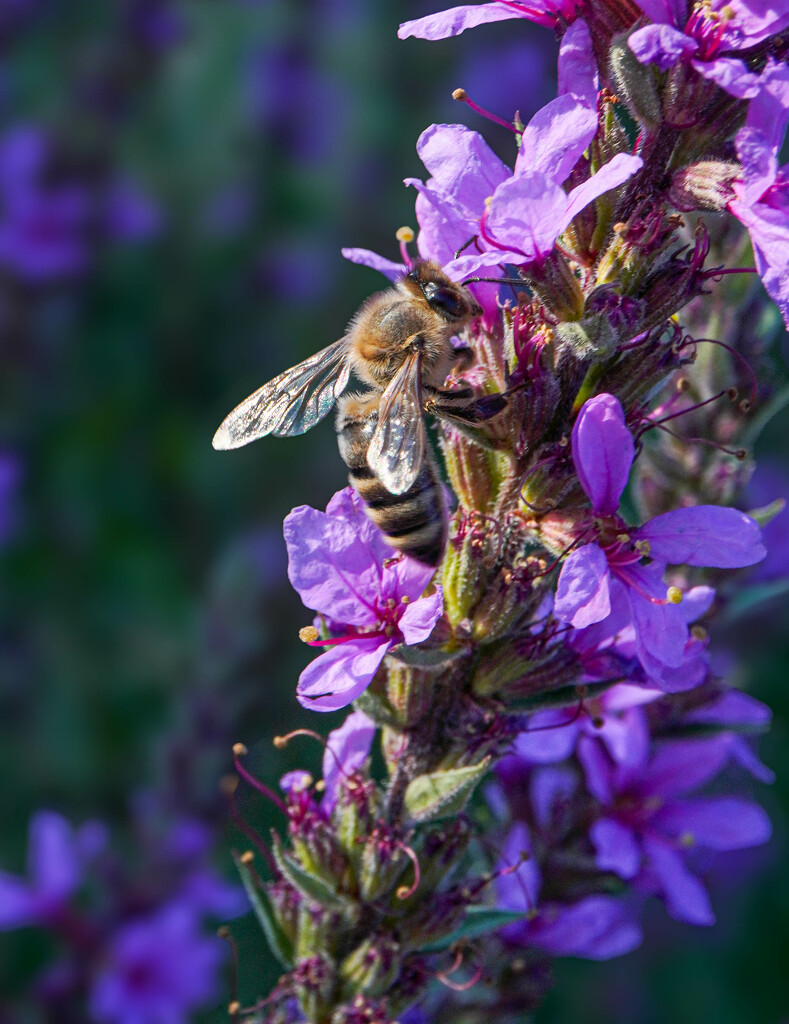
(290, 403)
(397, 447)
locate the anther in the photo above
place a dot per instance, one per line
(741, 454)
(699, 633)
(405, 234)
(234, 1008)
(674, 595)
(239, 750)
(247, 857)
(463, 97)
(404, 891)
(683, 385)
(598, 722)
(732, 394)
(308, 634)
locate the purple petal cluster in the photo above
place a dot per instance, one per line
(706, 38)
(371, 598)
(618, 575)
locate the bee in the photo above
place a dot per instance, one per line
(399, 345)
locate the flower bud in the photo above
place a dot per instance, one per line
(556, 286)
(314, 982)
(635, 84)
(371, 968)
(705, 185)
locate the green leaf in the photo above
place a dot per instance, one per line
(278, 942)
(443, 794)
(750, 598)
(478, 921)
(309, 885)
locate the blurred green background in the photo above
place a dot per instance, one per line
(146, 621)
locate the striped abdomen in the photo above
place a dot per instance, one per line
(414, 522)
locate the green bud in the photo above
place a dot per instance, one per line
(635, 84)
(443, 794)
(371, 968)
(314, 888)
(705, 185)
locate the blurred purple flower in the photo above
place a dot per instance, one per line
(550, 13)
(10, 473)
(58, 855)
(708, 38)
(704, 535)
(645, 828)
(130, 214)
(595, 927)
(42, 225)
(342, 567)
(158, 970)
(770, 483)
(612, 717)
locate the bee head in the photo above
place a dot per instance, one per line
(449, 300)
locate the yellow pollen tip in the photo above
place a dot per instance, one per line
(405, 599)
(320, 785)
(405, 234)
(279, 742)
(308, 634)
(240, 750)
(643, 547)
(459, 95)
(699, 633)
(674, 595)
(247, 857)
(234, 1008)
(623, 538)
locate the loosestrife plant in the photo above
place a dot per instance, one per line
(544, 702)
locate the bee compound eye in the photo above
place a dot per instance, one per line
(445, 300)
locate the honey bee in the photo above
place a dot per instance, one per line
(399, 344)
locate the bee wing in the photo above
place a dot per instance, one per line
(290, 403)
(397, 447)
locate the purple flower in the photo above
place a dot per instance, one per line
(762, 199)
(42, 225)
(514, 217)
(609, 571)
(57, 858)
(721, 27)
(595, 927)
(647, 825)
(346, 752)
(343, 568)
(550, 13)
(158, 970)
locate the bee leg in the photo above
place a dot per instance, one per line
(462, 410)
(462, 357)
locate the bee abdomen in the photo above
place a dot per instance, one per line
(414, 522)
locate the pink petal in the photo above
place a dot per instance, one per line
(610, 175)
(346, 751)
(663, 45)
(455, 20)
(582, 595)
(367, 258)
(685, 896)
(556, 137)
(603, 451)
(723, 823)
(339, 676)
(705, 535)
(417, 621)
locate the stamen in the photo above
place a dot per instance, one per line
(308, 634)
(234, 1006)
(282, 741)
(462, 97)
(405, 236)
(459, 986)
(404, 891)
(239, 751)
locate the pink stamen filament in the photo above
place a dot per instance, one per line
(465, 98)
